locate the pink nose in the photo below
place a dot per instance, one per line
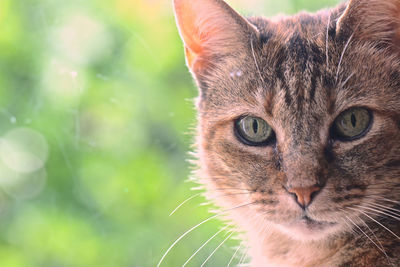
(304, 195)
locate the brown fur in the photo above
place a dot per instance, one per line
(298, 74)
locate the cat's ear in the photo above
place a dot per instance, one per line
(372, 20)
(210, 29)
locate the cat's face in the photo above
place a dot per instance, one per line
(299, 118)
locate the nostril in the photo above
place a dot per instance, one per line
(296, 199)
(313, 194)
(304, 195)
(293, 194)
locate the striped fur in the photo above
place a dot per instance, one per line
(299, 73)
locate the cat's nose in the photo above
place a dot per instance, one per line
(304, 195)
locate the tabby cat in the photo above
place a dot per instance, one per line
(298, 128)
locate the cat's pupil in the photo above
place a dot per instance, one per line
(353, 120)
(255, 126)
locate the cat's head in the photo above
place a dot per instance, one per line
(299, 117)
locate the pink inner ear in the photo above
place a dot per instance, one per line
(205, 26)
(187, 16)
(187, 25)
(209, 28)
(194, 20)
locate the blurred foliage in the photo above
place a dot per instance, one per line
(96, 115)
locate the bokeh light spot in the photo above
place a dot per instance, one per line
(81, 39)
(23, 150)
(22, 186)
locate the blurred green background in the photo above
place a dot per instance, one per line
(96, 115)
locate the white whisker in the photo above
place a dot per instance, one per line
(370, 239)
(234, 254)
(386, 208)
(390, 231)
(243, 258)
(342, 55)
(213, 252)
(255, 60)
(379, 212)
(196, 226)
(347, 79)
(366, 225)
(389, 200)
(203, 245)
(352, 229)
(326, 41)
(180, 205)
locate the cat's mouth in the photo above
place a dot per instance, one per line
(313, 224)
(308, 228)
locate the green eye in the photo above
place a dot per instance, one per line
(253, 131)
(352, 124)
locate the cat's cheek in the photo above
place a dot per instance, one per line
(252, 166)
(277, 207)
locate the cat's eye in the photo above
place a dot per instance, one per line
(352, 124)
(253, 131)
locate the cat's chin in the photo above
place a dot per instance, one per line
(307, 229)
